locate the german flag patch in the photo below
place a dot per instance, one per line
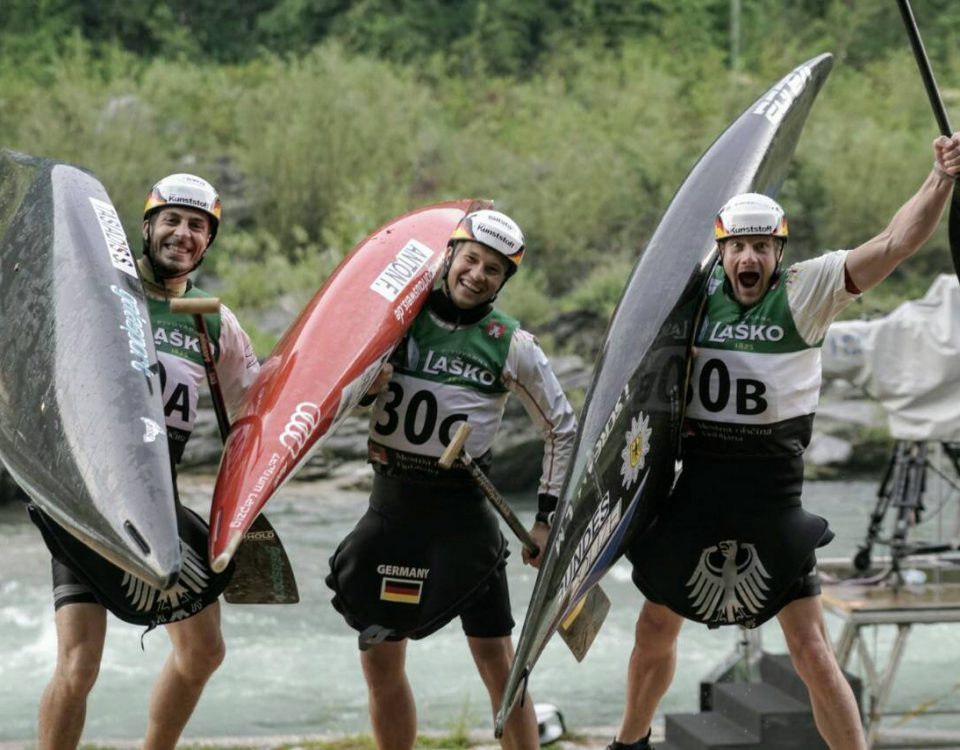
(402, 590)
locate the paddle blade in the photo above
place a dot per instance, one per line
(263, 573)
(582, 625)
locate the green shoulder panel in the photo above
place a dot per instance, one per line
(472, 356)
(177, 334)
(767, 327)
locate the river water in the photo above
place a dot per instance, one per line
(294, 669)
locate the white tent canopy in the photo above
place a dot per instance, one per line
(908, 360)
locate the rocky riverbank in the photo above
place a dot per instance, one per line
(850, 438)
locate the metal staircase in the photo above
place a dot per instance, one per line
(771, 714)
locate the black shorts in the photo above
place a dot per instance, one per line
(489, 615)
(732, 544)
(421, 556)
(68, 588)
(807, 584)
(80, 575)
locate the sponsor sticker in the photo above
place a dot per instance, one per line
(133, 325)
(151, 430)
(300, 427)
(120, 256)
(589, 547)
(608, 426)
(251, 499)
(634, 453)
(424, 284)
(408, 262)
(775, 104)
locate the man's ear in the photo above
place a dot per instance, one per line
(145, 230)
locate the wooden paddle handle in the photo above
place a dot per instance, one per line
(198, 307)
(455, 450)
(195, 305)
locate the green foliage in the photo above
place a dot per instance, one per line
(579, 117)
(334, 144)
(601, 290)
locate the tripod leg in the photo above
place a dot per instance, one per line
(861, 560)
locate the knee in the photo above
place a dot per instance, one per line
(383, 665)
(493, 657)
(77, 671)
(656, 632)
(813, 658)
(201, 658)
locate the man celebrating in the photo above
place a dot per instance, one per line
(180, 222)
(734, 545)
(429, 547)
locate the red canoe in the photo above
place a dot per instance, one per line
(325, 362)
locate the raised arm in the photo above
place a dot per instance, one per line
(912, 225)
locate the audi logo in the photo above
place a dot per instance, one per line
(300, 426)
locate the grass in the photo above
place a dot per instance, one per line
(455, 740)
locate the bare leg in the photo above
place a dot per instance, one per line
(81, 630)
(393, 712)
(834, 707)
(493, 657)
(650, 673)
(198, 649)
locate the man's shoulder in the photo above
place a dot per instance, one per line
(819, 270)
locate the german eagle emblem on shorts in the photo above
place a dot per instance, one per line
(729, 584)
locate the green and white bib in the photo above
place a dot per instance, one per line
(447, 374)
(756, 378)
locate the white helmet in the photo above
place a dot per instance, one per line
(750, 213)
(185, 190)
(494, 230)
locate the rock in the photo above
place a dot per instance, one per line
(850, 431)
(825, 450)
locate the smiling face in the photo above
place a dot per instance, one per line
(749, 261)
(178, 237)
(476, 274)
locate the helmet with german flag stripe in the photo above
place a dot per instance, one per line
(750, 213)
(185, 190)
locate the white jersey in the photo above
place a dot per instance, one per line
(182, 373)
(756, 378)
(450, 374)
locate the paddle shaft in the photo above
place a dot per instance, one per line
(926, 72)
(500, 505)
(456, 450)
(198, 307)
(940, 113)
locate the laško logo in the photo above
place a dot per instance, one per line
(440, 364)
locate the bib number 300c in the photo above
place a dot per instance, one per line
(418, 417)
